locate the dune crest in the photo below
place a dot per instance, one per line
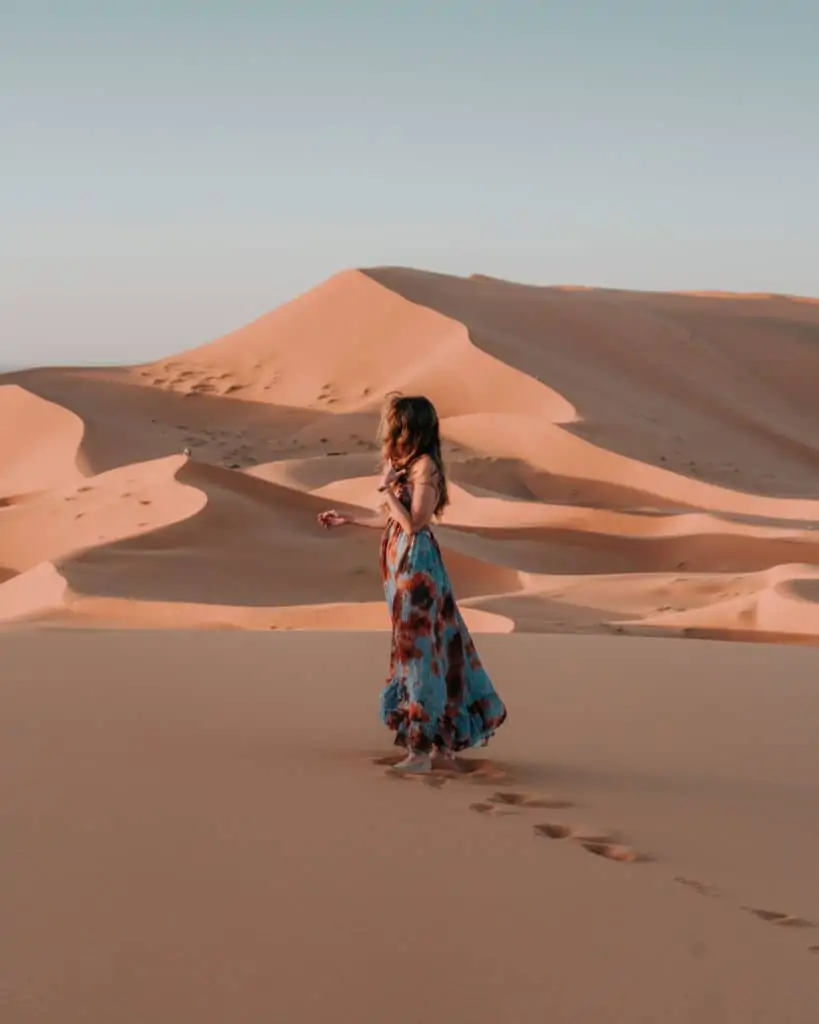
(620, 462)
(40, 443)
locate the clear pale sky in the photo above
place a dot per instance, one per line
(169, 169)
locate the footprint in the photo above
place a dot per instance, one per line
(481, 772)
(530, 800)
(485, 807)
(433, 781)
(553, 830)
(607, 845)
(430, 779)
(778, 918)
(616, 851)
(699, 887)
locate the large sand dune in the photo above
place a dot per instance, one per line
(193, 826)
(621, 461)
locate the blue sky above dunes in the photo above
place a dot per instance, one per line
(171, 170)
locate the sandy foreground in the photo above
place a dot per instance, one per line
(621, 462)
(194, 830)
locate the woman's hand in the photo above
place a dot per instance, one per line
(390, 476)
(332, 519)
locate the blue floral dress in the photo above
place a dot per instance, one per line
(438, 694)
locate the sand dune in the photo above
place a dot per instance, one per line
(40, 444)
(715, 388)
(103, 509)
(619, 461)
(194, 826)
(216, 548)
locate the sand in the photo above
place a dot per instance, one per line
(198, 823)
(194, 829)
(620, 461)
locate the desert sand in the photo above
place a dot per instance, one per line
(199, 821)
(627, 462)
(194, 830)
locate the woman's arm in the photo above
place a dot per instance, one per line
(397, 511)
(424, 499)
(377, 520)
(331, 519)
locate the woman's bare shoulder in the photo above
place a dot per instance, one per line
(423, 469)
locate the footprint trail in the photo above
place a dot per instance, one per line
(608, 844)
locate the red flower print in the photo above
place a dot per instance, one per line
(421, 590)
(433, 662)
(407, 632)
(472, 654)
(406, 648)
(416, 713)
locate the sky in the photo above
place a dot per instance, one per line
(171, 170)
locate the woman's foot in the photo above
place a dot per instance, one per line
(415, 763)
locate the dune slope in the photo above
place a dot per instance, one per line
(620, 461)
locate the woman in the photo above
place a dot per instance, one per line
(438, 698)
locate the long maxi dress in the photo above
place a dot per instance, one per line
(438, 694)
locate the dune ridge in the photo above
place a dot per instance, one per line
(620, 462)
